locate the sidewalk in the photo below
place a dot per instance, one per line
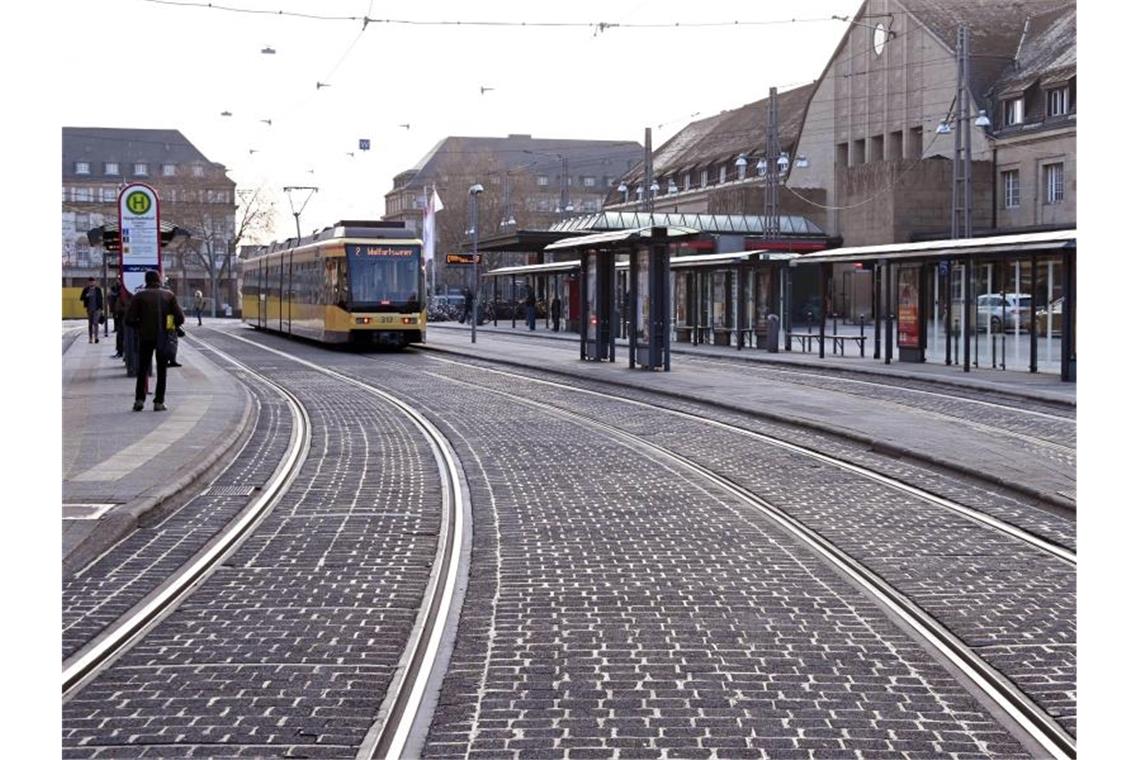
(887, 427)
(118, 464)
(1023, 384)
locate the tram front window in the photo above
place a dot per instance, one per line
(384, 278)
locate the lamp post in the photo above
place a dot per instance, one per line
(473, 193)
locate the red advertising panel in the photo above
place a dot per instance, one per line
(909, 278)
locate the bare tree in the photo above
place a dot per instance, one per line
(216, 230)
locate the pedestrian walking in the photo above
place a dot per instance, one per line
(199, 305)
(92, 298)
(530, 304)
(556, 312)
(153, 311)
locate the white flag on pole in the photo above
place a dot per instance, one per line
(430, 207)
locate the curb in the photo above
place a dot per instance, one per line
(890, 449)
(127, 517)
(760, 358)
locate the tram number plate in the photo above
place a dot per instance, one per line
(386, 320)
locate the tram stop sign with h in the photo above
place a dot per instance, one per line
(138, 234)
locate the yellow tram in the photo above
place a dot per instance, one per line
(353, 282)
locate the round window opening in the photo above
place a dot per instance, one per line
(880, 39)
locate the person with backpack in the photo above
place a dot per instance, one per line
(153, 312)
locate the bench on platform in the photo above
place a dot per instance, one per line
(838, 342)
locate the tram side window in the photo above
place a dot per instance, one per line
(336, 290)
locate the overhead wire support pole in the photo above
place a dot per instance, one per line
(288, 190)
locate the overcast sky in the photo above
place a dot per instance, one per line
(548, 82)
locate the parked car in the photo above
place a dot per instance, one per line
(998, 312)
(1050, 315)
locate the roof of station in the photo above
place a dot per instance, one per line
(716, 223)
(614, 238)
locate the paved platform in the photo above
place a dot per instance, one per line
(913, 432)
(1042, 386)
(120, 465)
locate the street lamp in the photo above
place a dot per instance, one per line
(624, 190)
(741, 166)
(473, 193)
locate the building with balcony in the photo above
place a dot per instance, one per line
(194, 194)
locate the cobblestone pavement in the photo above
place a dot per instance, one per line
(615, 606)
(100, 593)
(1015, 606)
(288, 649)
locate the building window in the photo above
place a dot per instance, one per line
(723, 173)
(82, 223)
(543, 180)
(107, 194)
(111, 168)
(704, 177)
(140, 170)
(589, 181)
(1011, 184)
(688, 181)
(198, 171)
(1054, 183)
(1013, 111)
(81, 195)
(1058, 101)
(82, 167)
(168, 170)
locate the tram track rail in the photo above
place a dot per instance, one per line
(408, 704)
(1020, 709)
(121, 635)
(1050, 548)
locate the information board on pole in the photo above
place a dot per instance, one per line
(139, 238)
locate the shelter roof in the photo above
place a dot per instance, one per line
(934, 249)
(613, 238)
(718, 223)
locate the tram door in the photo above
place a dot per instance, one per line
(262, 298)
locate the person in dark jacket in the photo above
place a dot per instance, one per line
(92, 298)
(116, 304)
(468, 300)
(150, 312)
(530, 308)
(556, 312)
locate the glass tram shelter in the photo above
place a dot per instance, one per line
(646, 299)
(1005, 300)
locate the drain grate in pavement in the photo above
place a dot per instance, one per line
(228, 491)
(84, 511)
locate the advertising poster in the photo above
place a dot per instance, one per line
(908, 307)
(643, 326)
(138, 234)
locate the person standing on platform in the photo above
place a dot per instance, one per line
(148, 315)
(556, 312)
(468, 300)
(199, 305)
(92, 298)
(530, 304)
(116, 307)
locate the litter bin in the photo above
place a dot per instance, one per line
(773, 334)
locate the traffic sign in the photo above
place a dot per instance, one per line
(139, 239)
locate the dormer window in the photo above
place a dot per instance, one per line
(1057, 101)
(111, 168)
(82, 167)
(140, 170)
(1013, 111)
(168, 170)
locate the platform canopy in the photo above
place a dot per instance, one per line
(618, 238)
(996, 245)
